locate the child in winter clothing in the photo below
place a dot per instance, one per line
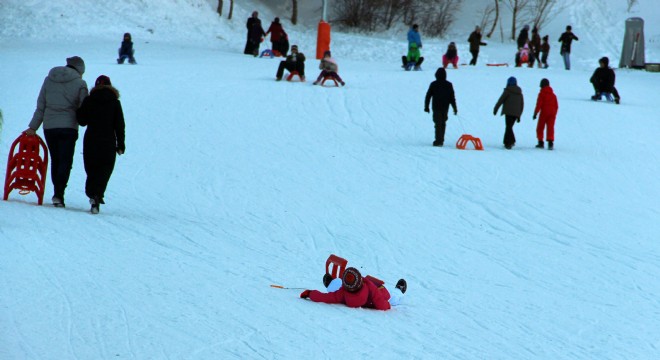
(545, 50)
(329, 68)
(414, 58)
(101, 112)
(278, 38)
(535, 48)
(523, 55)
(547, 106)
(603, 80)
(451, 56)
(512, 103)
(357, 291)
(442, 93)
(293, 62)
(475, 42)
(126, 50)
(414, 37)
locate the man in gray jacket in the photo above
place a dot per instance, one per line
(62, 93)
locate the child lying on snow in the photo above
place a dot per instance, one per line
(355, 291)
(329, 68)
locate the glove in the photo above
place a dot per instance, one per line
(518, 120)
(427, 110)
(534, 117)
(495, 112)
(455, 112)
(305, 294)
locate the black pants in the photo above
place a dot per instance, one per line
(475, 55)
(404, 60)
(544, 59)
(440, 121)
(298, 66)
(509, 136)
(61, 146)
(614, 92)
(99, 163)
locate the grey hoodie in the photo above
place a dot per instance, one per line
(62, 93)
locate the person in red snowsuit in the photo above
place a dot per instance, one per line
(547, 105)
(355, 292)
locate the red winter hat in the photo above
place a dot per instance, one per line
(352, 280)
(102, 80)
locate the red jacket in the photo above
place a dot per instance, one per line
(369, 296)
(546, 103)
(276, 32)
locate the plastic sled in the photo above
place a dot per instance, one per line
(267, 52)
(467, 138)
(292, 74)
(26, 168)
(499, 64)
(338, 266)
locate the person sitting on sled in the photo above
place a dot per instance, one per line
(356, 291)
(603, 81)
(126, 50)
(451, 56)
(413, 60)
(329, 68)
(294, 62)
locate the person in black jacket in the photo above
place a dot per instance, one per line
(101, 112)
(475, 42)
(294, 62)
(442, 93)
(254, 35)
(603, 80)
(126, 50)
(566, 39)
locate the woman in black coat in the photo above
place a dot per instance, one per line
(101, 112)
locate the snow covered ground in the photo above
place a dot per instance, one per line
(232, 182)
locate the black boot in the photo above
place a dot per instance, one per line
(540, 144)
(96, 204)
(550, 145)
(402, 285)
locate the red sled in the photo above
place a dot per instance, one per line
(501, 64)
(26, 168)
(294, 73)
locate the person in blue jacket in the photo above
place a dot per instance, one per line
(414, 37)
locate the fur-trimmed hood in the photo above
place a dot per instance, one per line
(105, 87)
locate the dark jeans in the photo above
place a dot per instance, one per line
(123, 57)
(544, 59)
(61, 146)
(475, 55)
(440, 121)
(298, 66)
(509, 136)
(99, 164)
(404, 59)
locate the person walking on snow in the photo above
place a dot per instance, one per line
(414, 37)
(329, 68)
(545, 50)
(512, 103)
(278, 38)
(566, 39)
(475, 42)
(61, 94)
(101, 112)
(442, 93)
(535, 48)
(356, 291)
(603, 81)
(254, 34)
(547, 107)
(451, 56)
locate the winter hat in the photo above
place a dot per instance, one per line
(127, 35)
(327, 53)
(545, 38)
(352, 280)
(569, 27)
(77, 63)
(545, 82)
(415, 26)
(511, 81)
(604, 60)
(441, 74)
(526, 27)
(277, 20)
(294, 47)
(102, 80)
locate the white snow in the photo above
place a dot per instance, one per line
(232, 182)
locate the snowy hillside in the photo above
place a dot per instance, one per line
(232, 182)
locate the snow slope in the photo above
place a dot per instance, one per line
(232, 182)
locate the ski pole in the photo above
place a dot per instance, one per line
(287, 288)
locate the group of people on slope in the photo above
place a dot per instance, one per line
(440, 96)
(63, 104)
(255, 34)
